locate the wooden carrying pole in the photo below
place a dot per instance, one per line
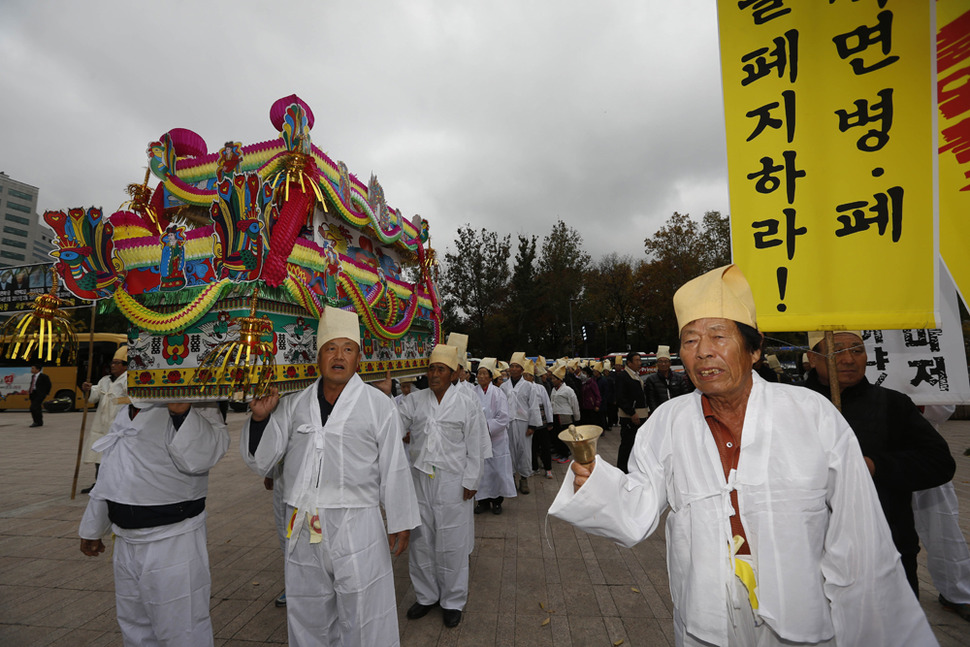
(84, 416)
(833, 369)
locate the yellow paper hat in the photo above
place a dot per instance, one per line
(774, 363)
(540, 366)
(529, 367)
(663, 351)
(559, 371)
(121, 353)
(723, 293)
(815, 337)
(444, 354)
(503, 366)
(408, 380)
(459, 341)
(491, 365)
(518, 358)
(597, 366)
(336, 324)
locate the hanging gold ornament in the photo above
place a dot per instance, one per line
(44, 334)
(243, 368)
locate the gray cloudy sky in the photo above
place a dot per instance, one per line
(503, 114)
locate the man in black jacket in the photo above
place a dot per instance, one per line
(632, 406)
(901, 448)
(40, 386)
(665, 384)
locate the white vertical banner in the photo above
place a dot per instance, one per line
(928, 365)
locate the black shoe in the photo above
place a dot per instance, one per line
(962, 610)
(482, 506)
(419, 610)
(36, 425)
(87, 490)
(497, 508)
(451, 617)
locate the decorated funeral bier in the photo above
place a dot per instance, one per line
(223, 265)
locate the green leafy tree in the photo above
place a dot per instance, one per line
(475, 281)
(679, 251)
(564, 266)
(611, 300)
(524, 303)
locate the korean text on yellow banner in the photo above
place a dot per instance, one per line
(831, 153)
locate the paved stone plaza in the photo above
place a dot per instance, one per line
(534, 580)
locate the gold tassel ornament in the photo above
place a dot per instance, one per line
(44, 333)
(244, 367)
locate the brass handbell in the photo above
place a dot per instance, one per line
(581, 441)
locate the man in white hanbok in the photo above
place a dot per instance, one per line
(150, 493)
(497, 482)
(109, 394)
(775, 534)
(448, 433)
(524, 414)
(541, 444)
(340, 441)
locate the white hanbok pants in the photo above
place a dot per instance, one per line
(744, 628)
(937, 515)
(340, 591)
(520, 446)
(162, 590)
(439, 548)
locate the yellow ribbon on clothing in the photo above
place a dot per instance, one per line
(744, 572)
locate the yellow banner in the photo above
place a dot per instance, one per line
(953, 96)
(831, 148)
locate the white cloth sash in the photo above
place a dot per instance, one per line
(130, 427)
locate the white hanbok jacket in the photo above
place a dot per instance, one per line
(523, 402)
(145, 462)
(356, 460)
(545, 405)
(821, 549)
(108, 395)
(565, 402)
(449, 435)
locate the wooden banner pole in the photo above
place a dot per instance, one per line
(84, 416)
(833, 369)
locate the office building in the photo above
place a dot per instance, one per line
(23, 238)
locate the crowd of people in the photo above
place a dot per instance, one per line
(788, 522)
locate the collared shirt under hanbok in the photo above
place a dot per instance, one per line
(824, 559)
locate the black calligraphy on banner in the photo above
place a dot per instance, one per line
(929, 369)
(867, 121)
